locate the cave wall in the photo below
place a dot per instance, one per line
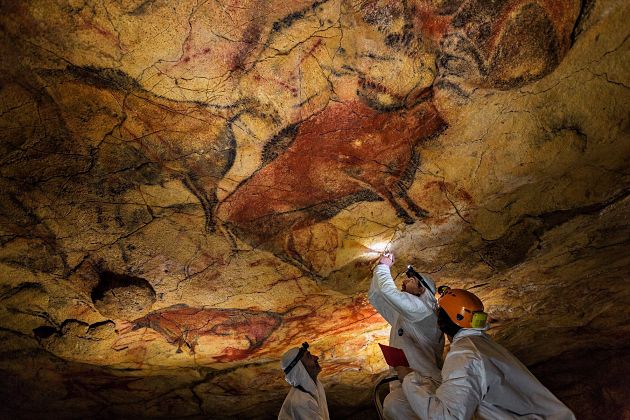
(190, 188)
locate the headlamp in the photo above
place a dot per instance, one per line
(297, 358)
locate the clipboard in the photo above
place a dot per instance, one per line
(394, 356)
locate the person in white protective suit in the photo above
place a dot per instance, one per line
(412, 314)
(306, 399)
(480, 378)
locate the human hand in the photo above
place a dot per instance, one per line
(402, 371)
(387, 259)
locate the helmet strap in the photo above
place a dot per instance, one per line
(445, 323)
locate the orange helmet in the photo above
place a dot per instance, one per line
(461, 306)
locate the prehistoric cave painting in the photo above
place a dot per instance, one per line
(105, 137)
(497, 44)
(89, 143)
(328, 318)
(183, 326)
(310, 170)
(504, 44)
(345, 154)
(366, 149)
(156, 140)
(233, 334)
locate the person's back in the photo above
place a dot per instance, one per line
(480, 378)
(508, 390)
(422, 343)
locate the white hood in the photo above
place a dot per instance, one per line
(430, 283)
(299, 377)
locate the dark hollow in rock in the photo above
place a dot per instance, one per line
(121, 296)
(513, 247)
(44, 331)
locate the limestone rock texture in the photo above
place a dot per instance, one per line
(190, 188)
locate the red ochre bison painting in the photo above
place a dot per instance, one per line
(352, 151)
(182, 325)
(503, 44)
(347, 153)
(236, 334)
(364, 151)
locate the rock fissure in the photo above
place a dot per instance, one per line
(190, 189)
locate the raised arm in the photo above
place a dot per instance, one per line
(410, 307)
(379, 300)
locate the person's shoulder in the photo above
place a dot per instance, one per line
(303, 399)
(465, 347)
(463, 357)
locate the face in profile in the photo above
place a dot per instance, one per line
(411, 285)
(445, 324)
(311, 364)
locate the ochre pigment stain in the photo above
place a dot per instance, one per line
(156, 140)
(347, 150)
(478, 48)
(183, 325)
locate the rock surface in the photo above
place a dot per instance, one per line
(188, 189)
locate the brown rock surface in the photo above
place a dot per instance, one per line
(188, 189)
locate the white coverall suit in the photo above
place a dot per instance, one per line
(481, 379)
(414, 330)
(307, 403)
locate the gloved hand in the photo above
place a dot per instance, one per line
(387, 259)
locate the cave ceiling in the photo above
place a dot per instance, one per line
(190, 188)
